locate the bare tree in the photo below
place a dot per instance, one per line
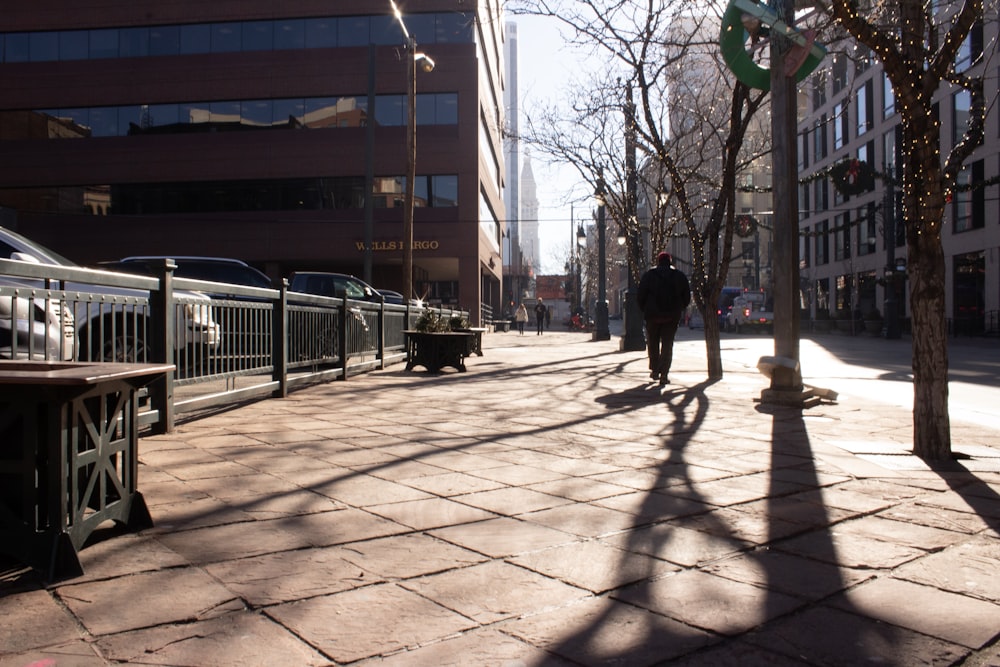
(665, 91)
(917, 42)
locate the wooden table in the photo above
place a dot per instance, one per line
(68, 457)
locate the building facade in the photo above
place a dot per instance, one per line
(239, 129)
(852, 239)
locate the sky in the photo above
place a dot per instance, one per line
(545, 72)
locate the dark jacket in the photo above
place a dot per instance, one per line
(664, 293)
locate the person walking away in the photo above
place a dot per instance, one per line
(540, 311)
(664, 293)
(521, 317)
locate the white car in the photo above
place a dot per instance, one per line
(112, 327)
(33, 327)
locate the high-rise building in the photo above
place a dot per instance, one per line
(853, 240)
(239, 129)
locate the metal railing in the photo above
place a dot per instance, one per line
(248, 343)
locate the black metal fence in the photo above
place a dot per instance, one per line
(237, 344)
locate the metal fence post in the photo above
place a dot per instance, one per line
(162, 324)
(343, 338)
(279, 341)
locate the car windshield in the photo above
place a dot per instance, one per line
(29, 247)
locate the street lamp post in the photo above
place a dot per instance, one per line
(601, 331)
(634, 338)
(426, 64)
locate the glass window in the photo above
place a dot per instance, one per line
(961, 102)
(290, 34)
(888, 97)
(968, 206)
(80, 118)
(839, 125)
(195, 39)
(258, 36)
(321, 112)
(162, 114)
(225, 112)
(864, 108)
(822, 242)
(446, 108)
(803, 150)
(444, 191)
(386, 30)
(455, 27)
(353, 31)
(131, 119)
(74, 45)
(257, 112)
(133, 42)
(164, 40)
(226, 37)
(43, 46)
(842, 236)
(16, 48)
(104, 43)
(425, 107)
(390, 110)
(804, 249)
(322, 33)
(819, 90)
(839, 73)
(287, 110)
(104, 122)
(423, 27)
(819, 139)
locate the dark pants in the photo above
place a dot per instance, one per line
(541, 324)
(660, 340)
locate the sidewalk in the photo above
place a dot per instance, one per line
(550, 506)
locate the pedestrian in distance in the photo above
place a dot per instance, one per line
(521, 317)
(540, 311)
(664, 293)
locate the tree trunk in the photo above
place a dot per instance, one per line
(713, 348)
(923, 208)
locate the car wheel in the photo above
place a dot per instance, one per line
(122, 341)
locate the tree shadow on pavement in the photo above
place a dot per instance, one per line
(733, 597)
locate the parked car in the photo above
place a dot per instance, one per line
(324, 283)
(391, 296)
(214, 269)
(751, 310)
(33, 328)
(114, 332)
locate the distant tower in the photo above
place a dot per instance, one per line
(514, 279)
(529, 216)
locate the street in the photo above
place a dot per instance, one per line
(866, 368)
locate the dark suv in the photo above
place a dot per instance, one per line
(333, 284)
(215, 269)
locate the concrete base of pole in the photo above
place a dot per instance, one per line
(634, 340)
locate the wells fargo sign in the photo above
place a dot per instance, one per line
(384, 246)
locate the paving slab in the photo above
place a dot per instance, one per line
(547, 507)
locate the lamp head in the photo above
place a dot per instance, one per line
(424, 62)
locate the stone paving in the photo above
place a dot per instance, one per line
(550, 506)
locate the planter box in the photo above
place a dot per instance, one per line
(436, 350)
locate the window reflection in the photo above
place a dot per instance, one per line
(225, 37)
